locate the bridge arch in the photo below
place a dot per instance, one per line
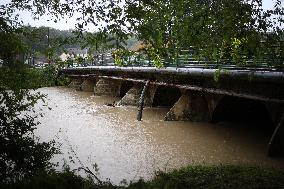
(125, 87)
(166, 96)
(235, 109)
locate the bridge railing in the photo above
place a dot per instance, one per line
(184, 58)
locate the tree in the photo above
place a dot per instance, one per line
(21, 153)
(218, 30)
(222, 31)
(80, 60)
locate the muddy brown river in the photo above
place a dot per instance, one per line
(124, 148)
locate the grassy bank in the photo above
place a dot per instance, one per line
(219, 177)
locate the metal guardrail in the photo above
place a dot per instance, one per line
(184, 60)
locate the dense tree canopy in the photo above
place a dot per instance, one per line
(218, 30)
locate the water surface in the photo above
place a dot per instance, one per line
(124, 148)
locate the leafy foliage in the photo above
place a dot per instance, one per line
(54, 180)
(221, 176)
(211, 27)
(21, 153)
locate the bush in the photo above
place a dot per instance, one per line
(221, 176)
(22, 155)
(46, 77)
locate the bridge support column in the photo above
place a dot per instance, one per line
(149, 96)
(212, 102)
(107, 87)
(191, 106)
(132, 96)
(276, 143)
(76, 83)
(88, 85)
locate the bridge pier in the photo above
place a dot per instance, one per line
(76, 83)
(212, 102)
(107, 87)
(150, 94)
(88, 85)
(131, 98)
(191, 106)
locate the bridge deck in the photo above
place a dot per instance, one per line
(194, 71)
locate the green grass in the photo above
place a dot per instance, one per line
(226, 176)
(219, 177)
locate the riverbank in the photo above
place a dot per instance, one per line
(47, 77)
(31, 78)
(221, 176)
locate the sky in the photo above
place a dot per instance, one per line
(70, 23)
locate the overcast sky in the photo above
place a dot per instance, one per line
(70, 23)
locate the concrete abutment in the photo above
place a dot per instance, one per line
(212, 102)
(191, 106)
(88, 85)
(76, 83)
(131, 98)
(107, 87)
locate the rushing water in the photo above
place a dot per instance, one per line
(124, 148)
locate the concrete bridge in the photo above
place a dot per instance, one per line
(196, 93)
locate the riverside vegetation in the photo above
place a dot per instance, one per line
(219, 177)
